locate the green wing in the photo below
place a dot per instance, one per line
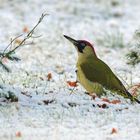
(98, 71)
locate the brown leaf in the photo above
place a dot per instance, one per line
(18, 134)
(93, 97)
(49, 76)
(134, 89)
(112, 102)
(114, 131)
(72, 84)
(106, 100)
(25, 29)
(115, 102)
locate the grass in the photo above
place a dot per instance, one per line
(133, 56)
(112, 40)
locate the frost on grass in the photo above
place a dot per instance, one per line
(45, 109)
(9, 54)
(133, 59)
(133, 55)
(112, 39)
(16, 43)
(8, 94)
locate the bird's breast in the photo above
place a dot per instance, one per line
(90, 86)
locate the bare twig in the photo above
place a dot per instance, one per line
(29, 35)
(11, 43)
(9, 54)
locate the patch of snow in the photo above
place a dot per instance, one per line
(46, 109)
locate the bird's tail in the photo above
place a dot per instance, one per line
(132, 98)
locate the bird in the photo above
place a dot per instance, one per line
(94, 74)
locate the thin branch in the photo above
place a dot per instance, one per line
(9, 53)
(11, 43)
(29, 35)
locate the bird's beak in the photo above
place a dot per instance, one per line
(73, 41)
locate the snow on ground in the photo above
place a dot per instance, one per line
(48, 111)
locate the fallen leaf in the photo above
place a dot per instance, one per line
(72, 84)
(106, 100)
(134, 89)
(113, 131)
(112, 102)
(18, 134)
(49, 76)
(25, 29)
(115, 102)
(93, 97)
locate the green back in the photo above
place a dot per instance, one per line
(97, 71)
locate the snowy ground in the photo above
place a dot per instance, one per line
(48, 111)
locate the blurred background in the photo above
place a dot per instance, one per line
(107, 24)
(112, 26)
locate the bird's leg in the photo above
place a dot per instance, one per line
(73, 84)
(76, 74)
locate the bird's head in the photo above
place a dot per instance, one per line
(83, 47)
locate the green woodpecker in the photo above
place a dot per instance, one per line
(94, 74)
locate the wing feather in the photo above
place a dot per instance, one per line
(98, 71)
